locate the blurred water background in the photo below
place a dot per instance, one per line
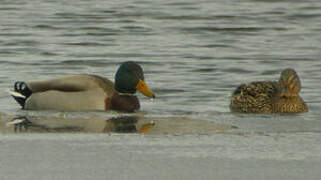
(194, 54)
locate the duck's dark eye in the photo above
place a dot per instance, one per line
(283, 97)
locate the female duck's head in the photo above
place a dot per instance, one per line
(129, 78)
(290, 84)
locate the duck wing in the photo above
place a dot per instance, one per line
(255, 97)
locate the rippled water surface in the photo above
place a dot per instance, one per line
(194, 53)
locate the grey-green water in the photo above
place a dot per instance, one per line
(194, 53)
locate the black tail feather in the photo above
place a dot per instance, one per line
(20, 100)
(22, 88)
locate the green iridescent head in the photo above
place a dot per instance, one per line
(129, 78)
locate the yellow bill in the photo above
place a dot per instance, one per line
(142, 87)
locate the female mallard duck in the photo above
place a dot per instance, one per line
(85, 92)
(270, 96)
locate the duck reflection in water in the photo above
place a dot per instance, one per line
(20, 123)
(121, 124)
(135, 124)
(127, 124)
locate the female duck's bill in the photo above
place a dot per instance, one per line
(85, 92)
(270, 96)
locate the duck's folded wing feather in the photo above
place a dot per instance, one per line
(70, 101)
(69, 83)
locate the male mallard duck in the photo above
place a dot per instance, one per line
(270, 96)
(85, 92)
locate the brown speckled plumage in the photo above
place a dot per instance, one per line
(270, 96)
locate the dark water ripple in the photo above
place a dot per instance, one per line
(46, 27)
(230, 29)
